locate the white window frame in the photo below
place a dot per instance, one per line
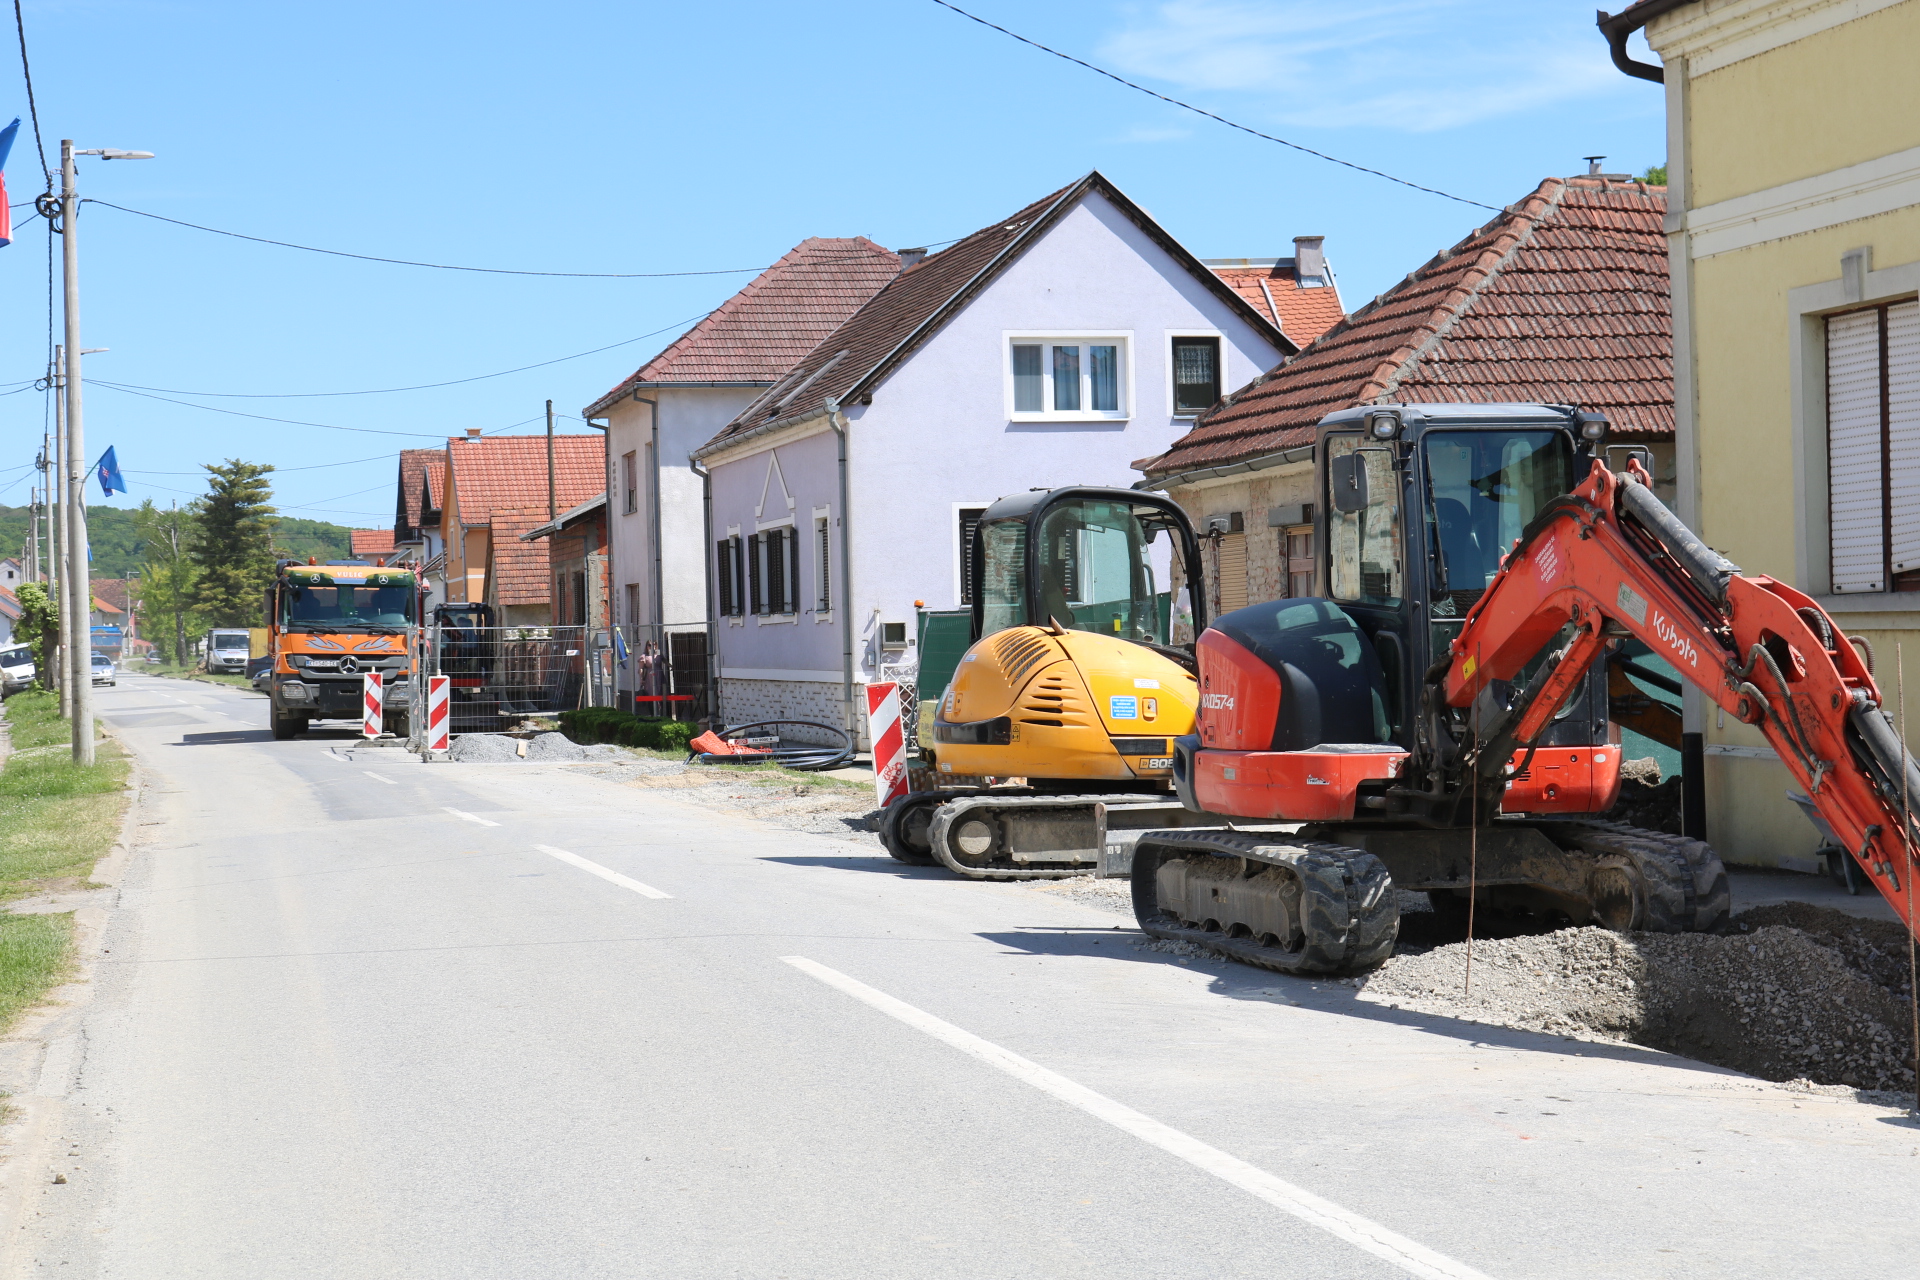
(1166, 351)
(791, 616)
(823, 518)
(630, 480)
(1047, 339)
(734, 533)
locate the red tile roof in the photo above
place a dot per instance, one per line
(113, 591)
(1562, 298)
(420, 476)
(914, 305)
(11, 608)
(1302, 314)
(371, 542)
(756, 335)
(516, 570)
(500, 472)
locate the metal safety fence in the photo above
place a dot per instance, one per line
(499, 676)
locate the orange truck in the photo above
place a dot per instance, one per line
(330, 624)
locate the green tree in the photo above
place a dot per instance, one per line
(40, 627)
(1656, 175)
(233, 546)
(168, 577)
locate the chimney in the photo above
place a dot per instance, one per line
(1309, 262)
(1593, 165)
(911, 257)
(473, 433)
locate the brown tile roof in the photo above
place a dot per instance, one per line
(496, 473)
(420, 473)
(913, 306)
(1302, 314)
(1560, 299)
(11, 608)
(756, 335)
(113, 591)
(371, 542)
(516, 570)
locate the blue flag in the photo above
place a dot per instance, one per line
(619, 647)
(6, 147)
(109, 469)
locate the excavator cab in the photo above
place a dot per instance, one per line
(1082, 559)
(1420, 502)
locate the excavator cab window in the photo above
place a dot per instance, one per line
(1367, 565)
(1093, 571)
(1484, 487)
(1003, 575)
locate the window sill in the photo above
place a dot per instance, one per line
(1069, 417)
(776, 619)
(735, 620)
(1871, 602)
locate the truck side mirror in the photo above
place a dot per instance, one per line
(1347, 482)
(267, 609)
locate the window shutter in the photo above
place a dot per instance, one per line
(756, 596)
(826, 566)
(1853, 452)
(793, 569)
(969, 534)
(1903, 432)
(723, 575)
(1232, 572)
(776, 570)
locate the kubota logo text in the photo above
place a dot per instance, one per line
(1670, 636)
(1217, 701)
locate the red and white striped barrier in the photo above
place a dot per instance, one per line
(373, 699)
(889, 742)
(439, 723)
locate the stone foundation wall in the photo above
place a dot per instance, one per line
(745, 701)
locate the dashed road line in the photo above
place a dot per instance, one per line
(462, 813)
(377, 778)
(1360, 1232)
(605, 873)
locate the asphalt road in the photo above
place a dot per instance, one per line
(355, 1016)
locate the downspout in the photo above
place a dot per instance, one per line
(1616, 27)
(838, 421)
(713, 611)
(659, 592)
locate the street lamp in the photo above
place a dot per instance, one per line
(79, 601)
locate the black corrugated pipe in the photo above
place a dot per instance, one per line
(1618, 26)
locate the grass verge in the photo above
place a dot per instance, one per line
(56, 818)
(36, 953)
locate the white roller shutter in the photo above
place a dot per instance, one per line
(1231, 578)
(1903, 430)
(1853, 452)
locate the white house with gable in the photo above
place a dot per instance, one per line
(1053, 347)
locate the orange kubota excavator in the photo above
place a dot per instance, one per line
(1425, 770)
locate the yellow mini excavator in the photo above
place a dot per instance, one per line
(1057, 726)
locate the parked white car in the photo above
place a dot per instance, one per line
(16, 668)
(104, 672)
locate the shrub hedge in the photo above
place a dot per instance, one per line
(610, 724)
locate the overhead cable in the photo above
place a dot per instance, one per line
(33, 108)
(1201, 111)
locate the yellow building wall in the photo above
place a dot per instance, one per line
(1832, 99)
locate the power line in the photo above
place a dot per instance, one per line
(381, 391)
(324, 426)
(1201, 111)
(33, 109)
(436, 266)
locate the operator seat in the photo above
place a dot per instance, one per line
(1332, 687)
(1466, 567)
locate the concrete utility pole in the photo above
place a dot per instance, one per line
(552, 511)
(79, 593)
(57, 526)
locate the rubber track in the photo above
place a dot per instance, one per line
(943, 822)
(890, 836)
(1687, 888)
(1349, 915)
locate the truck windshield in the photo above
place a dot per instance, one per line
(16, 657)
(230, 639)
(349, 604)
(1486, 487)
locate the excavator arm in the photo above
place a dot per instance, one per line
(1609, 560)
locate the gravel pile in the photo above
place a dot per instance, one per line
(485, 748)
(1794, 992)
(551, 747)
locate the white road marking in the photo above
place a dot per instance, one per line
(607, 874)
(462, 813)
(377, 778)
(1369, 1236)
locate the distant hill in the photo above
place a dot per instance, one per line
(116, 550)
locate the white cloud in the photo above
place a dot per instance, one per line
(1416, 65)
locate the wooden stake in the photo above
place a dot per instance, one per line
(1473, 834)
(1906, 843)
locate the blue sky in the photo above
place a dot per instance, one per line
(645, 137)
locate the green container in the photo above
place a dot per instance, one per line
(945, 636)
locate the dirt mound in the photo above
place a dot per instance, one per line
(1645, 801)
(1794, 992)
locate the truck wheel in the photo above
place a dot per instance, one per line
(285, 727)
